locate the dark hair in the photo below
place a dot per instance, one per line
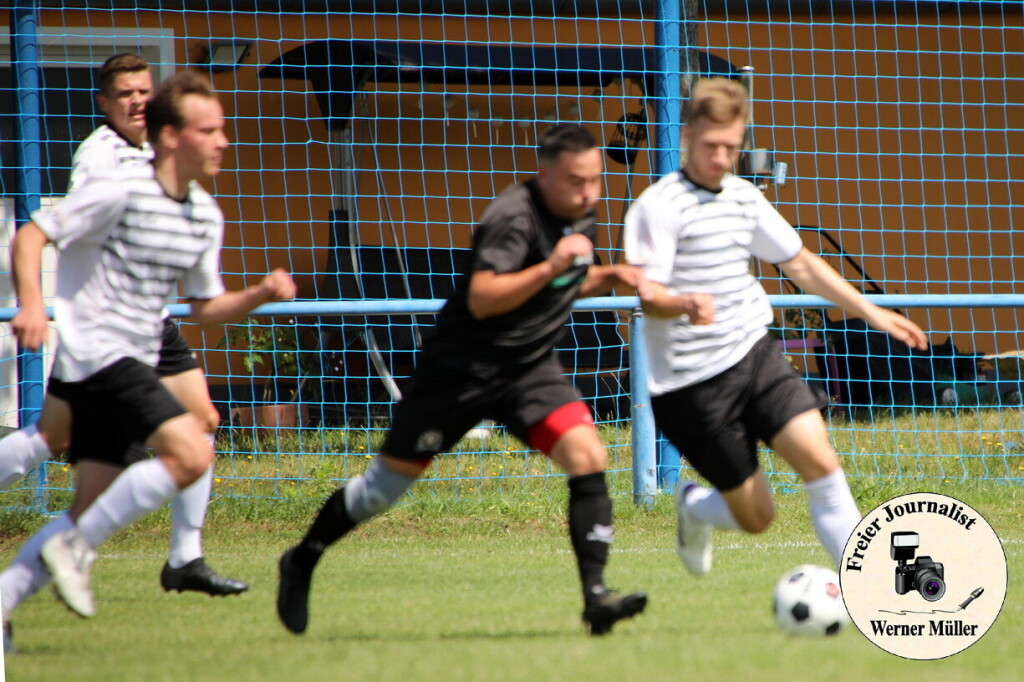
(125, 62)
(165, 106)
(563, 137)
(719, 100)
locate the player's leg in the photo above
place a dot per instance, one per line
(123, 403)
(805, 445)
(560, 425)
(363, 497)
(786, 415)
(142, 488)
(26, 575)
(431, 417)
(186, 567)
(704, 422)
(30, 446)
(92, 477)
(581, 454)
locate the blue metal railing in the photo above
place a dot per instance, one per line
(645, 483)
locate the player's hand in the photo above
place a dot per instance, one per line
(633, 276)
(279, 285)
(31, 327)
(899, 327)
(573, 249)
(700, 308)
(630, 275)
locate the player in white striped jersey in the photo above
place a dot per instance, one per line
(124, 85)
(126, 243)
(717, 379)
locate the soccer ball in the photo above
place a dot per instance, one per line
(807, 601)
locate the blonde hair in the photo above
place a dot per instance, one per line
(719, 100)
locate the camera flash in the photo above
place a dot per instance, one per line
(905, 539)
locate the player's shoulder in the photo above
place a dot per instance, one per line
(111, 180)
(512, 202)
(669, 187)
(740, 185)
(102, 133)
(102, 139)
(206, 206)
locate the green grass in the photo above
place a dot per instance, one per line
(481, 589)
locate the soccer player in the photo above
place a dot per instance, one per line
(126, 242)
(492, 355)
(718, 381)
(124, 85)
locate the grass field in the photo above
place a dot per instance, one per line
(478, 590)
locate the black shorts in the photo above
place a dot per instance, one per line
(118, 406)
(715, 424)
(175, 358)
(175, 355)
(443, 402)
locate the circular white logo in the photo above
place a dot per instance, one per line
(923, 576)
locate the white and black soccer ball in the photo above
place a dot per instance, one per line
(808, 601)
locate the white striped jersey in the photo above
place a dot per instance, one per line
(104, 152)
(695, 240)
(125, 247)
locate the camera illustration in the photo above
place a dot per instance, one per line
(923, 575)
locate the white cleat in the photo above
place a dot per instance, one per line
(693, 536)
(69, 558)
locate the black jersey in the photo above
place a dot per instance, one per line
(515, 232)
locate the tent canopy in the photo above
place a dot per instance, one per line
(338, 68)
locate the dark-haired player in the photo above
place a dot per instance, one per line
(492, 356)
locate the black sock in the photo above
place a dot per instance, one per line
(590, 528)
(331, 523)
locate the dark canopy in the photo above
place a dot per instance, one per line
(339, 68)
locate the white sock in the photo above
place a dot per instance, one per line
(19, 452)
(833, 512)
(708, 505)
(27, 575)
(188, 512)
(141, 488)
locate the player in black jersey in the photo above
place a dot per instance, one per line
(492, 356)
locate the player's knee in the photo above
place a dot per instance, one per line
(595, 458)
(56, 441)
(581, 459)
(184, 444)
(758, 519)
(375, 490)
(198, 460)
(209, 419)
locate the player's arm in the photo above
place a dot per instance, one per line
(30, 324)
(233, 306)
(492, 293)
(650, 242)
(812, 274)
(602, 279)
(657, 301)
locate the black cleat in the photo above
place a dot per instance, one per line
(197, 576)
(293, 593)
(607, 608)
(8, 638)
